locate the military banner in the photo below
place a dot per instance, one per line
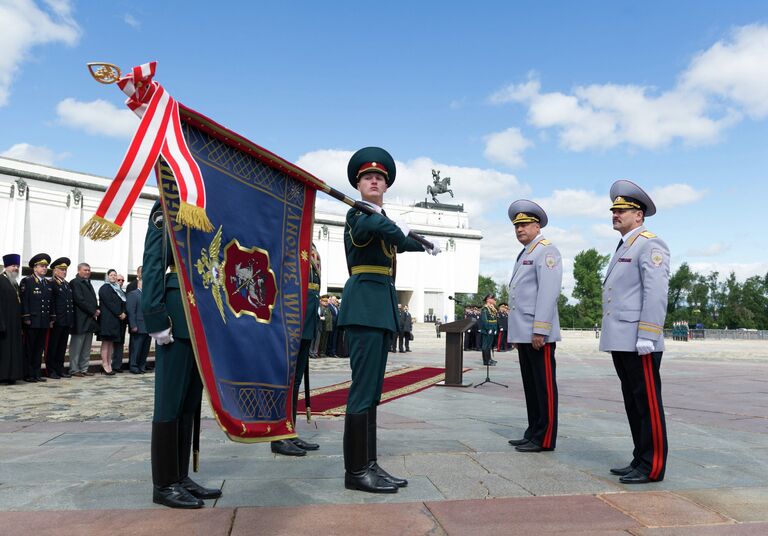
(244, 283)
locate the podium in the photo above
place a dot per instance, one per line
(454, 352)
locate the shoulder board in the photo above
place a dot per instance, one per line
(647, 234)
(545, 242)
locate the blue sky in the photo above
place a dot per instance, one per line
(545, 100)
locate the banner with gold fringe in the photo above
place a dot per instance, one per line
(244, 282)
(158, 133)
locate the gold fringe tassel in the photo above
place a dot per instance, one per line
(194, 217)
(97, 228)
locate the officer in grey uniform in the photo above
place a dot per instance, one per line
(534, 324)
(634, 309)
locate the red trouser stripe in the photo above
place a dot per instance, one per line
(653, 408)
(498, 342)
(547, 443)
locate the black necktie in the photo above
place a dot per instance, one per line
(520, 254)
(621, 242)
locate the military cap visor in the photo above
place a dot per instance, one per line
(489, 296)
(628, 195)
(525, 211)
(61, 262)
(40, 258)
(371, 160)
(12, 259)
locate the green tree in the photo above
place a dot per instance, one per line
(566, 311)
(485, 285)
(587, 271)
(680, 286)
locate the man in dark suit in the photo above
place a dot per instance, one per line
(64, 308)
(138, 345)
(406, 327)
(36, 315)
(333, 308)
(369, 314)
(133, 285)
(86, 321)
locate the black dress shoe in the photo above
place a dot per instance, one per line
(518, 442)
(199, 491)
(368, 480)
(287, 448)
(399, 482)
(303, 444)
(41, 379)
(621, 471)
(530, 447)
(175, 496)
(66, 375)
(635, 477)
(493, 362)
(30, 380)
(54, 376)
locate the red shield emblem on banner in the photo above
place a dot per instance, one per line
(249, 282)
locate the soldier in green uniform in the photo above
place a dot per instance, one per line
(297, 446)
(369, 313)
(178, 388)
(488, 328)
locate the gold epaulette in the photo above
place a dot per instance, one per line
(647, 234)
(545, 242)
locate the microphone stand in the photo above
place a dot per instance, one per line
(488, 375)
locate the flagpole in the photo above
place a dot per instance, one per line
(362, 207)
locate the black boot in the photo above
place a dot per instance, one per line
(373, 454)
(166, 489)
(185, 447)
(298, 442)
(359, 474)
(486, 357)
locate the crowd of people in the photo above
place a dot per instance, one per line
(329, 339)
(41, 315)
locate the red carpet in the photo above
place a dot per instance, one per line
(332, 400)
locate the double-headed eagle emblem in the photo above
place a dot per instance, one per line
(212, 270)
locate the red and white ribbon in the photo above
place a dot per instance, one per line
(159, 133)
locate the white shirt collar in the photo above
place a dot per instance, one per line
(633, 231)
(375, 208)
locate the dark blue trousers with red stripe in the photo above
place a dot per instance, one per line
(537, 368)
(641, 388)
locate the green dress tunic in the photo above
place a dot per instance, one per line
(368, 311)
(178, 389)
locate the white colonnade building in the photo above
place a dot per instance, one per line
(42, 209)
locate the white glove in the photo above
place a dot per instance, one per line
(162, 337)
(403, 227)
(644, 346)
(435, 250)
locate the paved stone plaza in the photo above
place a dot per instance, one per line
(74, 456)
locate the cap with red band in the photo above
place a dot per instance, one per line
(371, 160)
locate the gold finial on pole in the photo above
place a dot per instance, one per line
(104, 73)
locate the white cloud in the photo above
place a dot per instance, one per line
(24, 25)
(31, 153)
(506, 147)
(131, 21)
(742, 270)
(570, 202)
(735, 69)
(97, 117)
(712, 250)
(675, 195)
(478, 189)
(719, 86)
